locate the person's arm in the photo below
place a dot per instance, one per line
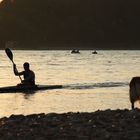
(16, 71)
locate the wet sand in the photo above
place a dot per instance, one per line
(99, 125)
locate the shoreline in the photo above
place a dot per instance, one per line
(99, 125)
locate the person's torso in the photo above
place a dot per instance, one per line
(29, 76)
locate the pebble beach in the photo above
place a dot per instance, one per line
(98, 125)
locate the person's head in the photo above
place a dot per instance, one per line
(26, 66)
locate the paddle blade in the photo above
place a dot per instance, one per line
(9, 54)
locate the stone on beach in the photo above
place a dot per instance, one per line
(99, 125)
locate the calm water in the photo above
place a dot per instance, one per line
(91, 81)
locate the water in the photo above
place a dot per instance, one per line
(91, 81)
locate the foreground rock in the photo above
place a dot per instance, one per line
(99, 125)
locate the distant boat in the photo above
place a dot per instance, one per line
(75, 51)
(94, 52)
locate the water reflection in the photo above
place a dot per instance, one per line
(92, 81)
(28, 94)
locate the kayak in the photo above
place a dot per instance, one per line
(25, 89)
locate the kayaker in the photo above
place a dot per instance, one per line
(28, 75)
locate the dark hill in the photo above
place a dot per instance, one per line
(85, 23)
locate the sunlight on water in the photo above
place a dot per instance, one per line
(90, 81)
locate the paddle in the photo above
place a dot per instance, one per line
(10, 55)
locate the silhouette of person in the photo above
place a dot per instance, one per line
(28, 75)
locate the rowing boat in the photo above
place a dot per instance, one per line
(11, 89)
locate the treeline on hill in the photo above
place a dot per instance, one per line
(70, 21)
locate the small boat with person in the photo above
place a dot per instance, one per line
(75, 51)
(27, 84)
(94, 52)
